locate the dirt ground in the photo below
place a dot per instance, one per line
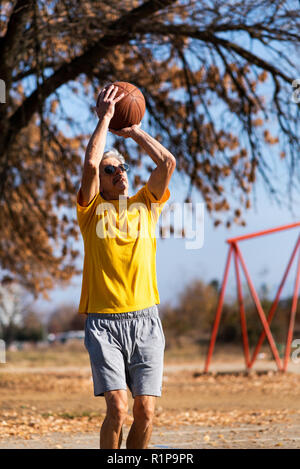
(47, 402)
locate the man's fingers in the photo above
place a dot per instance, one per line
(101, 93)
(108, 91)
(113, 94)
(100, 96)
(119, 97)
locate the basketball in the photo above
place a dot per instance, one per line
(130, 109)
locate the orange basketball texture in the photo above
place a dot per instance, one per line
(130, 109)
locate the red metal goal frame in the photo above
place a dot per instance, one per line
(235, 250)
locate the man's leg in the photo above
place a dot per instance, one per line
(111, 430)
(141, 429)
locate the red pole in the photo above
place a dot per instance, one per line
(292, 318)
(242, 309)
(218, 313)
(275, 303)
(260, 311)
(264, 232)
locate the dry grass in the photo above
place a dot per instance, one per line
(58, 355)
(50, 390)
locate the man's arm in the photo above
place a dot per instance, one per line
(164, 160)
(90, 183)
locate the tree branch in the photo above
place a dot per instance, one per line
(11, 41)
(208, 37)
(120, 32)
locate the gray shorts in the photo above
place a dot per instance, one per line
(126, 349)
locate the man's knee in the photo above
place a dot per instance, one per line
(143, 409)
(117, 406)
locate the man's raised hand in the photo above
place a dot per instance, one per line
(106, 102)
(127, 131)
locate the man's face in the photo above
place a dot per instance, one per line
(113, 185)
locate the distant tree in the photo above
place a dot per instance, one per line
(64, 318)
(195, 311)
(217, 77)
(14, 307)
(32, 329)
(215, 283)
(77, 322)
(230, 325)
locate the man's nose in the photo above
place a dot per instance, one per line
(118, 170)
(122, 172)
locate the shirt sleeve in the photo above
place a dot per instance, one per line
(85, 214)
(153, 204)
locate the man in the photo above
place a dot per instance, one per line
(123, 331)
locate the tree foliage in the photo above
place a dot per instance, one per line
(217, 77)
(17, 319)
(194, 315)
(65, 318)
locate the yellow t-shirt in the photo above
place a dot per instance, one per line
(119, 270)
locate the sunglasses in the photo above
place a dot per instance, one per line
(110, 169)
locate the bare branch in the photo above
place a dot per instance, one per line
(207, 37)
